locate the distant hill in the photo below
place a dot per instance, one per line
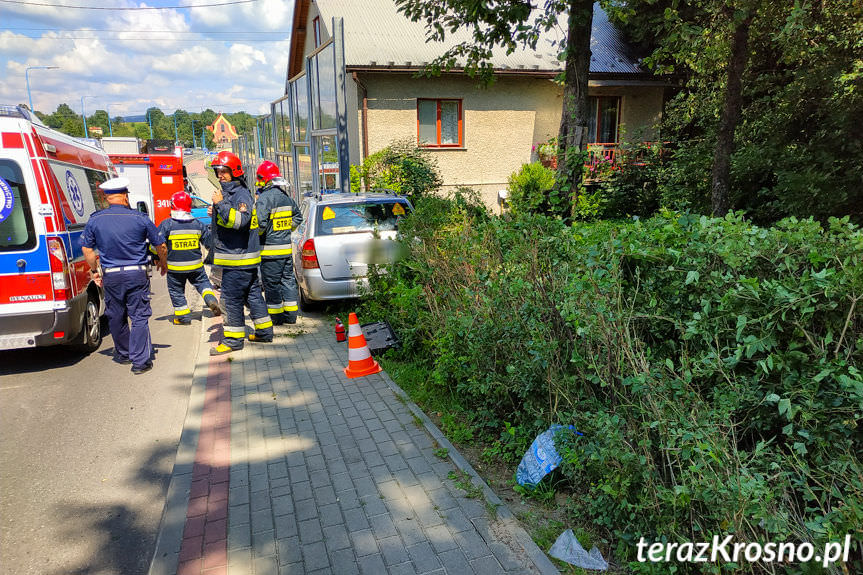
(138, 118)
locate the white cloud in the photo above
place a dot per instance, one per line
(194, 58)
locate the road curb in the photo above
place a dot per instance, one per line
(167, 552)
(536, 555)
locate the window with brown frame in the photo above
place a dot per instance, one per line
(603, 118)
(439, 123)
(316, 25)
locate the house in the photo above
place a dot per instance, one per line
(352, 89)
(223, 132)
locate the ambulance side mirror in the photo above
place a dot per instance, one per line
(142, 207)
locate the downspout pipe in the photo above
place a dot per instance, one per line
(365, 120)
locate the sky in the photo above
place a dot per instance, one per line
(230, 57)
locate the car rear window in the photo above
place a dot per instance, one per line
(16, 222)
(335, 219)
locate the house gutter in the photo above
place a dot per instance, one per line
(365, 120)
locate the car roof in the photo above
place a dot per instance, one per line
(341, 198)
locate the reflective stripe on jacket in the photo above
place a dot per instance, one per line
(278, 214)
(236, 229)
(184, 240)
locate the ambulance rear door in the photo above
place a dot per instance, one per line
(140, 186)
(26, 291)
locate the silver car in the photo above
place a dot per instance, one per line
(341, 235)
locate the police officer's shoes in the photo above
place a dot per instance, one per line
(221, 349)
(121, 360)
(260, 339)
(182, 320)
(139, 369)
(214, 307)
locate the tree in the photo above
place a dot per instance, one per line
(768, 117)
(514, 24)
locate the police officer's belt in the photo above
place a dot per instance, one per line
(125, 269)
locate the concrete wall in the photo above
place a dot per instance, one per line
(501, 123)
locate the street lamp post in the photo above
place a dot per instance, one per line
(84, 114)
(27, 78)
(150, 121)
(176, 137)
(194, 137)
(110, 128)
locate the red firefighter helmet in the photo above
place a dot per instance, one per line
(267, 171)
(181, 201)
(228, 160)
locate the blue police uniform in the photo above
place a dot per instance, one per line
(120, 235)
(184, 237)
(237, 251)
(278, 214)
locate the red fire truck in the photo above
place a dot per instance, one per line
(153, 179)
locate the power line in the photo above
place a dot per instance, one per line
(161, 31)
(229, 2)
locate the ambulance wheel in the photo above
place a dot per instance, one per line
(91, 328)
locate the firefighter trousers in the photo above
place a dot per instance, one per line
(177, 289)
(242, 287)
(280, 288)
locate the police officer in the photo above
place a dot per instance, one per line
(120, 235)
(184, 236)
(277, 215)
(238, 253)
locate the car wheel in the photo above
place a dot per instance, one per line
(305, 303)
(91, 328)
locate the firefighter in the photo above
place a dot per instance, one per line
(184, 236)
(237, 252)
(278, 214)
(120, 234)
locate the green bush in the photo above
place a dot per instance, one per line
(712, 365)
(631, 186)
(402, 167)
(531, 190)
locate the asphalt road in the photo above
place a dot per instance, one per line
(87, 451)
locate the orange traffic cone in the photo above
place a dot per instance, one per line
(360, 360)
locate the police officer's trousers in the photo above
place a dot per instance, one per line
(127, 298)
(177, 289)
(280, 287)
(243, 287)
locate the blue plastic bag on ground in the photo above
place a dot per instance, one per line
(542, 457)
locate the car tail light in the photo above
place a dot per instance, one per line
(310, 257)
(59, 269)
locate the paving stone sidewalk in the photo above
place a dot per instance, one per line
(337, 475)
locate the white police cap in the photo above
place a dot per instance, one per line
(115, 186)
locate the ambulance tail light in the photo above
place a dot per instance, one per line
(310, 256)
(59, 269)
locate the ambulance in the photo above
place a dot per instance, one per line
(48, 190)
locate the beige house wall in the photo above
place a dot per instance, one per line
(641, 109)
(501, 123)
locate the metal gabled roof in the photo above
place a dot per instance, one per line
(377, 35)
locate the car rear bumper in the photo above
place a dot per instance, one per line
(316, 288)
(42, 328)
